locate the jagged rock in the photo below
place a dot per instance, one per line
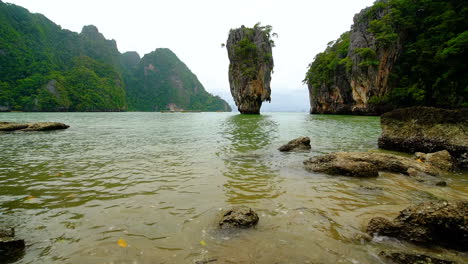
(41, 126)
(427, 129)
(407, 258)
(432, 223)
(251, 64)
(238, 217)
(301, 143)
(366, 164)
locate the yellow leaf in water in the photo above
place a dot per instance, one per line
(203, 243)
(419, 160)
(30, 197)
(122, 243)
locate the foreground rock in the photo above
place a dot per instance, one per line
(251, 64)
(431, 224)
(40, 126)
(366, 164)
(426, 129)
(301, 143)
(11, 249)
(406, 258)
(238, 217)
(440, 159)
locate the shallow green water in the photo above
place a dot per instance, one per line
(158, 181)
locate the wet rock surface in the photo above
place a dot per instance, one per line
(300, 143)
(251, 64)
(11, 249)
(408, 258)
(366, 164)
(40, 126)
(426, 129)
(432, 224)
(441, 159)
(238, 217)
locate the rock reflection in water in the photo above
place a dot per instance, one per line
(249, 174)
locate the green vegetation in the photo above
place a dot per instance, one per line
(246, 53)
(431, 68)
(330, 63)
(46, 68)
(161, 79)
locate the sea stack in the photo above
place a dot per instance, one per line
(251, 64)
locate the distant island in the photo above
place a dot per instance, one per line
(398, 53)
(46, 68)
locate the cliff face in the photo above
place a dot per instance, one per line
(251, 64)
(362, 72)
(397, 54)
(161, 81)
(46, 68)
(372, 63)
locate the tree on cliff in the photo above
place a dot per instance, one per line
(398, 53)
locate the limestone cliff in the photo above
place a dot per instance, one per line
(160, 81)
(390, 59)
(251, 64)
(362, 71)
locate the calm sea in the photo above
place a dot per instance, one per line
(157, 181)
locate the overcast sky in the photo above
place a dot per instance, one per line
(195, 29)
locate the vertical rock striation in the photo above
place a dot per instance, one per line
(251, 64)
(362, 71)
(391, 59)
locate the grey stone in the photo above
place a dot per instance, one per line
(238, 217)
(301, 143)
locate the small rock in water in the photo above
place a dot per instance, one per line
(238, 217)
(407, 258)
(301, 143)
(11, 250)
(441, 183)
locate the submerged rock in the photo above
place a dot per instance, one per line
(407, 258)
(426, 129)
(7, 232)
(238, 217)
(431, 223)
(366, 164)
(301, 143)
(251, 64)
(40, 126)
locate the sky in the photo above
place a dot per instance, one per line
(195, 29)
